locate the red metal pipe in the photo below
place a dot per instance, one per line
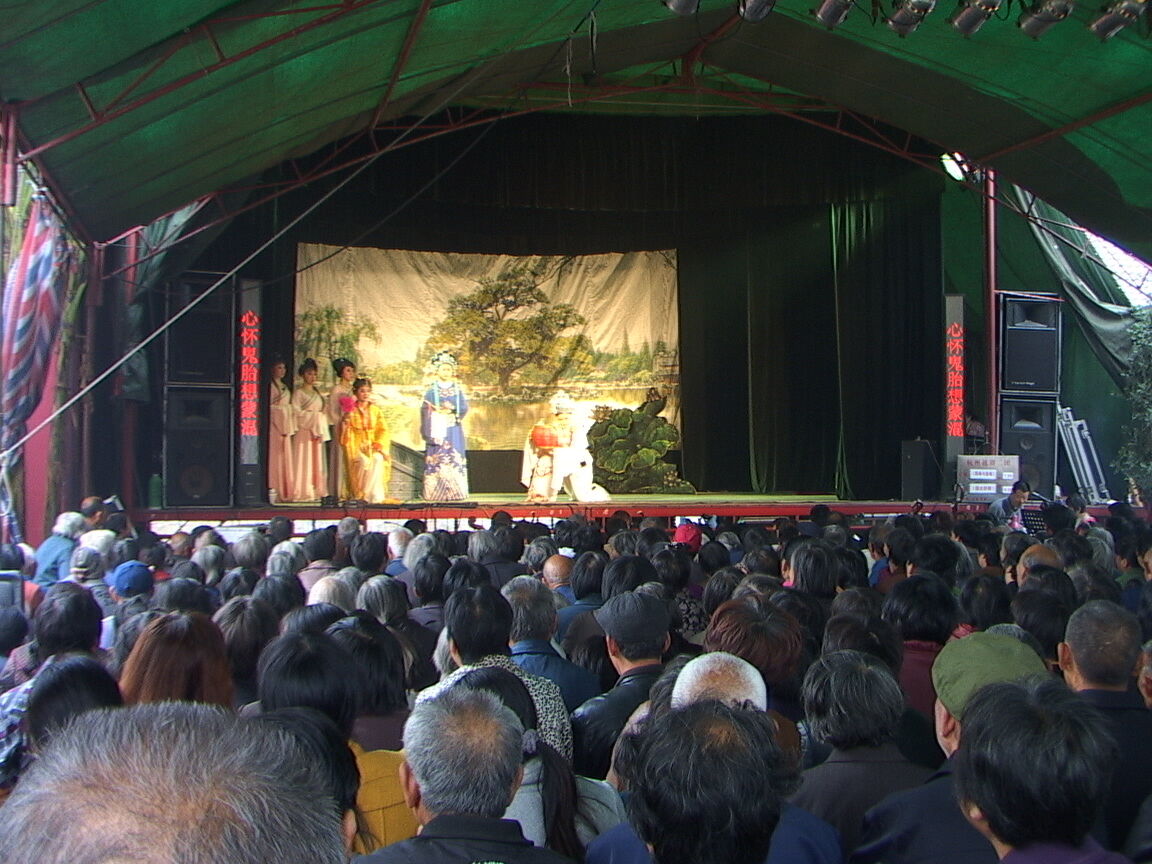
(991, 309)
(8, 155)
(1104, 114)
(129, 408)
(184, 80)
(402, 59)
(689, 61)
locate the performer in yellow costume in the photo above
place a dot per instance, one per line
(367, 447)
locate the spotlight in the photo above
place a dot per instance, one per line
(683, 7)
(908, 14)
(1037, 19)
(753, 11)
(1115, 17)
(833, 12)
(971, 15)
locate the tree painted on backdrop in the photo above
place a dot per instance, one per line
(326, 332)
(509, 328)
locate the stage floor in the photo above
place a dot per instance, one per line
(478, 509)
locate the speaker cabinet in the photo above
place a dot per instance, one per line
(1030, 344)
(919, 475)
(198, 447)
(1028, 430)
(198, 347)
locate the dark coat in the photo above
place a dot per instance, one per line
(598, 722)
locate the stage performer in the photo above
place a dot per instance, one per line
(556, 457)
(340, 401)
(367, 447)
(309, 464)
(281, 426)
(441, 413)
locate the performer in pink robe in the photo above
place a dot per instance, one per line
(281, 426)
(309, 463)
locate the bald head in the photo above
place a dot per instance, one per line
(557, 571)
(722, 677)
(1038, 554)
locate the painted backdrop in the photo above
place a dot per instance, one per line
(602, 327)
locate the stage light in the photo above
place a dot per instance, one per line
(683, 7)
(753, 11)
(971, 15)
(1037, 19)
(1115, 17)
(832, 13)
(908, 14)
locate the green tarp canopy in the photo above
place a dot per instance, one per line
(133, 109)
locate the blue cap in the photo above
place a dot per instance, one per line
(132, 578)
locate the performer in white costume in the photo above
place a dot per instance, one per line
(556, 456)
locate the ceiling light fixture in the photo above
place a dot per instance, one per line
(754, 11)
(831, 13)
(1116, 16)
(683, 7)
(908, 14)
(971, 15)
(1037, 19)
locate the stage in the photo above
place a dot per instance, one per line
(477, 511)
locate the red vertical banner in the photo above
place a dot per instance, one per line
(249, 337)
(954, 379)
(954, 371)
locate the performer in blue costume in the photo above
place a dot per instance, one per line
(444, 406)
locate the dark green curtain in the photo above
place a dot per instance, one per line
(887, 271)
(819, 327)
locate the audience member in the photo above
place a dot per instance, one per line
(478, 622)
(1032, 772)
(533, 626)
(853, 702)
(170, 782)
(636, 636)
(554, 807)
(926, 824)
(924, 612)
(1099, 657)
(463, 763)
(179, 656)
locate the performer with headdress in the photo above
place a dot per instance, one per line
(367, 447)
(441, 413)
(309, 464)
(556, 457)
(281, 427)
(340, 400)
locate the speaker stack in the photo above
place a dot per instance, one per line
(198, 394)
(1030, 385)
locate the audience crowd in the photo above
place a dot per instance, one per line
(941, 689)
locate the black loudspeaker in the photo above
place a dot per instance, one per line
(199, 346)
(1030, 344)
(198, 447)
(1028, 430)
(919, 476)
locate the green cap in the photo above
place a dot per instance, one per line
(965, 665)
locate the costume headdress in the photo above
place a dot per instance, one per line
(562, 403)
(441, 357)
